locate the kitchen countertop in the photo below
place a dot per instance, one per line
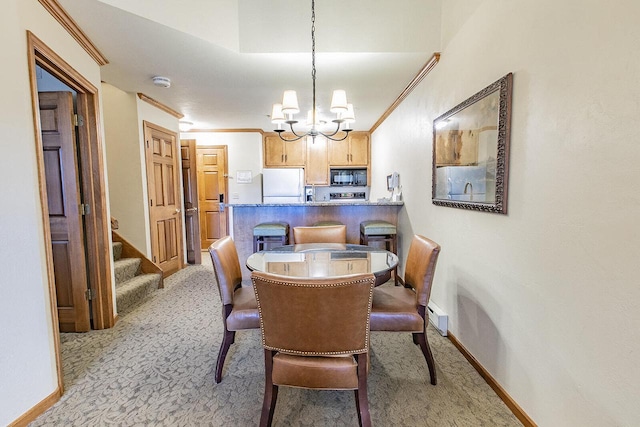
(310, 204)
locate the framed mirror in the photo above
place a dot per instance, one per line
(471, 151)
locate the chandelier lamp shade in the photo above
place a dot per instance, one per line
(283, 114)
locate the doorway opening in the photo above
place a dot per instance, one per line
(91, 186)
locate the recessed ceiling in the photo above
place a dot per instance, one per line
(230, 60)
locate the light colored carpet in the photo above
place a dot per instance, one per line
(156, 367)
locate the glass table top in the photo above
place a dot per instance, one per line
(323, 260)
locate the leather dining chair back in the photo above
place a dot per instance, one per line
(404, 309)
(239, 306)
(320, 234)
(315, 334)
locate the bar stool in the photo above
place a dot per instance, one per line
(379, 231)
(270, 232)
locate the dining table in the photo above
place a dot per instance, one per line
(325, 260)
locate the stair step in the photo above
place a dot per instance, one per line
(135, 291)
(125, 269)
(117, 251)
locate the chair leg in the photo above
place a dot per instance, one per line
(422, 341)
(227, 339)
(362, 401)
(270, 391)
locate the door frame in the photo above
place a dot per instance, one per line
(90, 144)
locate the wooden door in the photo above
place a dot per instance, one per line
(165, 213)
(190, 190)
(212, 190)
(65, 217)
(317, 169)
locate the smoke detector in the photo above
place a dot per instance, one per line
(161, 81)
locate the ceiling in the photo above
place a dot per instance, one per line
(230, 60)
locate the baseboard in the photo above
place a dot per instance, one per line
(502, 394)
(37, 410)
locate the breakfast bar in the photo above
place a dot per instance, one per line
(243, 217)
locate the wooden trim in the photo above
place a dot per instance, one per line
(32, 42)
(37, 410)
(502, 394)
(61, 15)
(58, 67)
(416, 80)
(247, 130)
(160, 105)
(130, 251)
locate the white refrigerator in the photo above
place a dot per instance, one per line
(283, 185)
(464, 183)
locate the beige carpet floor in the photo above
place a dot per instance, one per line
(156, 367)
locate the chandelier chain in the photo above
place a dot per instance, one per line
(313, 132)
(313, 59)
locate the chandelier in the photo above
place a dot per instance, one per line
(283, 113)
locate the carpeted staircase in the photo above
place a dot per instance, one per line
(132, 286)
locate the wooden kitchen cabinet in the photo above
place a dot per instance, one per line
(349, 266)
(294, 268)
(317, 167)
(353, 151)
(279, 153)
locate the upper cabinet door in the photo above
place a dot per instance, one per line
(359, 146)
(353, 151)
(278, 153)
(273, 150)
(295, 153)
(339, 153)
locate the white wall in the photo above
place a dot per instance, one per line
(244, 151)
(124, 113)
(126, 164)
(546, 297)
(27, 358)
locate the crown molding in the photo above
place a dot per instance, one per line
(412, 85)
(160, 105)
(61, 15)
(236, 130)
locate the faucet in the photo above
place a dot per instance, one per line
(469, 186)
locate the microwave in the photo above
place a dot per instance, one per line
(349, 177)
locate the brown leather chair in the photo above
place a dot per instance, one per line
(320, 234)
(404, 309)
(315, 334)
(239, 306)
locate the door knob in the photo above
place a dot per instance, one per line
(191, 210)
(177, 211)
